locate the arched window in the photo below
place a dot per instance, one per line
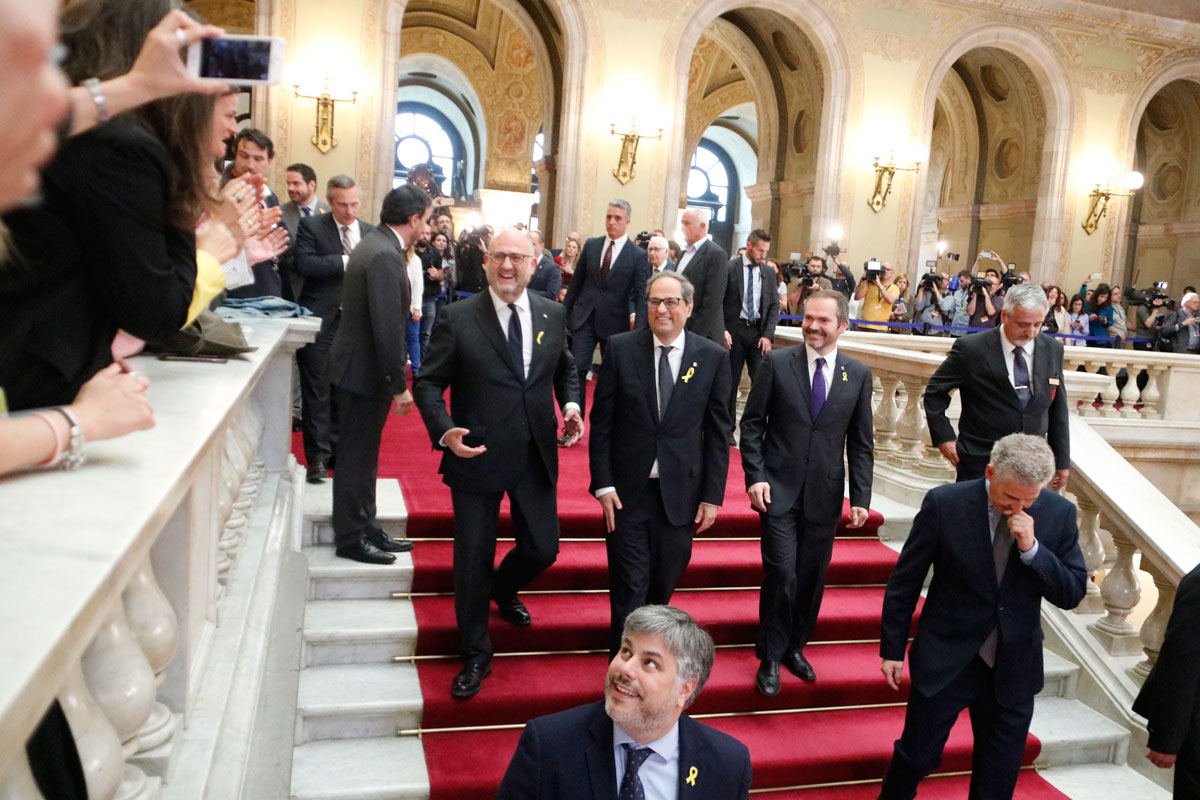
(712, 184)
(425, 136)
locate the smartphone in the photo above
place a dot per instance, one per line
(238, 60)
(197, 359)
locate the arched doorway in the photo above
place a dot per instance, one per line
(713, 185)
(425, 136)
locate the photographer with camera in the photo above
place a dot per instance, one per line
(878, 294)
(1150, 315)
(961, 292)
(1182, 328)
(933, 304)
(809, 278)
(986, 299)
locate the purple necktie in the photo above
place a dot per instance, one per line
(818, 389)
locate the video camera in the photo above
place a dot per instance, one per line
(872, 270)
(1009, 279)
(929, 280)
(1153, 295)
(642, 240)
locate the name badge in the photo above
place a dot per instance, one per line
(1054, 381)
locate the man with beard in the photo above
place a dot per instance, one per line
(637, 743)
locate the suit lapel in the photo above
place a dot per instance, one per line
(996, 362)
(1040, 380)
(982, 542)
(839, 385)
(644, 364)
(602, 769)
(540, 320)
(489, 325)
(687, 370)
(800, 367)
(689, 759)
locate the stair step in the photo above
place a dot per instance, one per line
(385, 768)
(333, 578)
(582, 565)
(580, 621)
(391, 510)
(1104, 782)
(358, 631)
(355, 701)
(1072, 733)
(1061, 676)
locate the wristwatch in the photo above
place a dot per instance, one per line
(73, 457)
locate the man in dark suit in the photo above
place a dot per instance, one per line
(610, 279)
(658, 251)
(503, 355)
(751, 310)
(302, 202)
(1182, 326)
(706, 266)
(254, 154)
(658, 452)
(638, 743)
(979, 640)
(807, 407)
(547, 277)
(1001, 391)
(1168, 699)
(323, 246)
(366, 369)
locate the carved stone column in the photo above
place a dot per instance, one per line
(911, 427)
(1130, 393)
(1155, 627)
(1121, 591)
(886, 415)
(120, 678)
(1151, 394)
(1109, 394)
(18, 783)
(156, 630)
(1093, 555)
(98, 744)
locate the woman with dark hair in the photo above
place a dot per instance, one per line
(1056, 312)
(112, 244)
(1099, 313)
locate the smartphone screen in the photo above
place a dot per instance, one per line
(236, 59)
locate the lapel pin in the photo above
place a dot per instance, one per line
(540, 335)
(845, 378)
(691, 371)
(693, 773)
(545, 316)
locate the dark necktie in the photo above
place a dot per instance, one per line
(1002, 544)
(305, 211)
(750, 310)
(631, 784)
(606, 262)
(346, 246)
(1021, 376)
(516, 349)
(665, 382)
(818, 389)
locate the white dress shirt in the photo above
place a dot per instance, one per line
(1007, 347)
(686, 257)
(994, 517)
(659, 773)
(355, 237)
(617, 245)
(524, 316)
(830, 358)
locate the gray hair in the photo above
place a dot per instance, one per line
(686, 289)
(1023, 458)
(690, 644)
(1028, 296)
(659, 241)
(338, 182)
(623, 205)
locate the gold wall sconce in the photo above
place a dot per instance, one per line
(624, 171)
(885, 173)
(1105, 192)
(323, 139)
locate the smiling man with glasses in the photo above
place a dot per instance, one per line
(503, 354)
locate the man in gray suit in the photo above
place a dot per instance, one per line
(302, 202)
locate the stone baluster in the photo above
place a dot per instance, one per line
(18, 783)
(1152, 393)
(1109, 394)
(911, 427)
(886, 415)
(1079, 399)
(1155, 627)
(933, 464)
(120, 679)
(1130, 393)
(1121, 591)
(1093, 554)
(96, 741)
(154, 626)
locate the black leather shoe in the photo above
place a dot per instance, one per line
(514, 611)
(468, 682)
(365, 552)
(386, 543)
(316, 472)
(798, 665)
(767, 679)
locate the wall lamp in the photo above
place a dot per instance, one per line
(1105, 192)
(884, 173)
(323, 139)
(624, 171)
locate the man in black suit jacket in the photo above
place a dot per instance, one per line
(497, 438)
(1001, 393)
(366, 368)
(323, 247)
(1182, 326)
(547, 277)
(750, 327)
(254, 153)
(807, 407)
(638, 742)
(979, 640)
(658, 252)
(659, 454)
(706, 266)
(1168, 699)
(302, 202)
(609, 280)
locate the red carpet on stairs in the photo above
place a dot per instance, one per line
(838, 729)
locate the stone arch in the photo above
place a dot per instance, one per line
(836, 67)
(461, 82)
(1045, 59)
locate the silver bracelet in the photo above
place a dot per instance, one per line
(93, 86)
(74, 456)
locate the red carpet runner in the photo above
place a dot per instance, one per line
(839, 729)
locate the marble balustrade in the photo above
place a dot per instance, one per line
(111, 575)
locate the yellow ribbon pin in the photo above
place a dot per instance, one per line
(844, 378)
(687, 377)
(692, 775)
(540, 335)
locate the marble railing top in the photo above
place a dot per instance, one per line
(70, 541)
(1130, 504)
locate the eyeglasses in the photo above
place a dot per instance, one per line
(670, 302)
(517, 259)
